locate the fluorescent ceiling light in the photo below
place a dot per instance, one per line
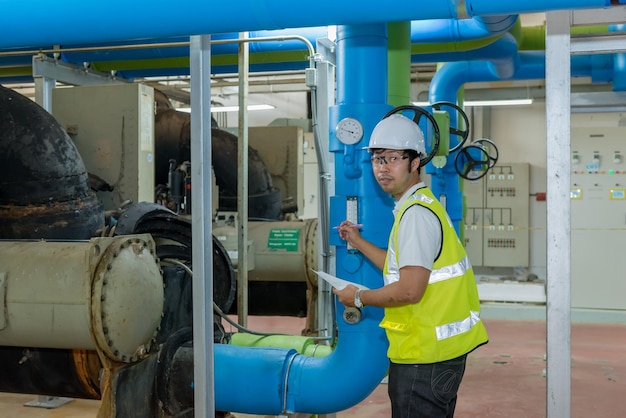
(215, 109)
(511, 102)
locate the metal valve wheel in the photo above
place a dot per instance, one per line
(473, 161)
(415, 113)
(462, 133)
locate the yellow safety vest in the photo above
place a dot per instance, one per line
(446, 323)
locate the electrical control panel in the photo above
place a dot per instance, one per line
(497, 217)
(598, 217)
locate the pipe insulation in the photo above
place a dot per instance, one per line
(104, 294)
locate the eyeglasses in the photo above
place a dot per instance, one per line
(391, 159)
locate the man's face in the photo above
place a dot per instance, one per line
(391, 169)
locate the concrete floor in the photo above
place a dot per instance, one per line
(504, 378)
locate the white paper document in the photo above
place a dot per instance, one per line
(336, 282)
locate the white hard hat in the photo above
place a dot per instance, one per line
(397, 132)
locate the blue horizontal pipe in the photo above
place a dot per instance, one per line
(451, 76)
(78, 22)
(422, 32)
(501, 54)
(491, 7)
(262, 391)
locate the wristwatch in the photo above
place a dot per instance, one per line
(357, 299)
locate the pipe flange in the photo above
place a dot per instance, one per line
(127, 298)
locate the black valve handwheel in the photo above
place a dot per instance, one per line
(418, 112)
(462, 133)
(490, 148)
(470, 166)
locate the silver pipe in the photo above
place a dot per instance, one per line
(308, 44)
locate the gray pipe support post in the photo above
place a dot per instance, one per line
(558, 324)
(242, 183)
(202, 229)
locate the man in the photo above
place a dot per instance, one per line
(432, 310)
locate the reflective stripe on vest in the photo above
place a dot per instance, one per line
(458, 327)
(450, 272)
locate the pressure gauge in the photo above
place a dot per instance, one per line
(439, 161)
(349, 131)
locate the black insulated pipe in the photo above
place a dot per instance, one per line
(173, 141)
(44, 187)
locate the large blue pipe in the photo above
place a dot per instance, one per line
(452, 76)
(78, 22)
(619, 68)
(423, 32)
(500, 54)
(491, 7)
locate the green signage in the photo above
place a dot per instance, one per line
(285, 239)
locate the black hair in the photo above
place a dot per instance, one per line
(413, 154)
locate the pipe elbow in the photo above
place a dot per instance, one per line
(496, 24)
(346, 376)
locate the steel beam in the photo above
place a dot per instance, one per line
(202, 229)
(558, 317)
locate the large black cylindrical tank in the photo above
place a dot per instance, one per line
(44, 188)
(173, 141)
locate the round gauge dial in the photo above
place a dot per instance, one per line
(349, 131)
(439, 161)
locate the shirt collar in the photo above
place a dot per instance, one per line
(406, 195)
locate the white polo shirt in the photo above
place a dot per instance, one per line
(419, 234)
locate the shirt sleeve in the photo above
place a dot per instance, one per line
(419, 238)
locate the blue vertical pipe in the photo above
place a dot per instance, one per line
(619, 66)
(361, 94)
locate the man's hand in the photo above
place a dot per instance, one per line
(346, 295)
(350, 233)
